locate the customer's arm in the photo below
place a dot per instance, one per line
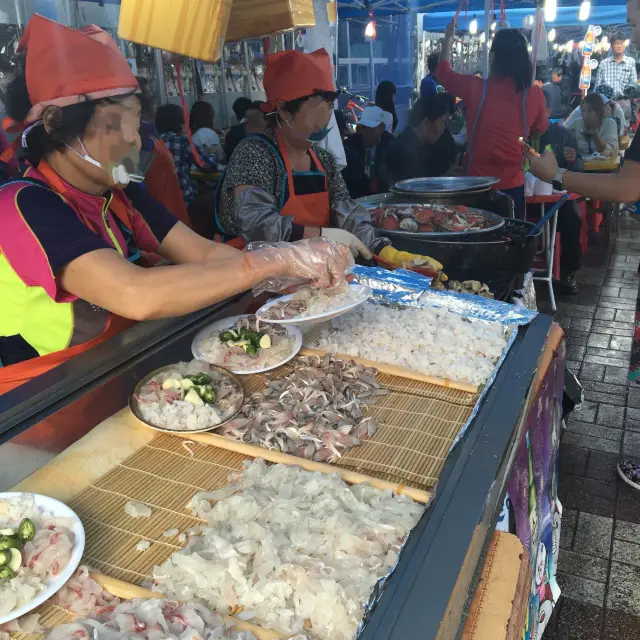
(457, 84)
(606, 138)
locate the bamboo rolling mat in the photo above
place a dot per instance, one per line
(417, 424)
(164, 475)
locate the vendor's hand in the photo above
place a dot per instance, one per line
(320, 262)
(570, 155)
(544, 167)
(347, 239)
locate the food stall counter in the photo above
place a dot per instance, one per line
(429, 592)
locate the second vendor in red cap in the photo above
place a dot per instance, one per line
(278, 186)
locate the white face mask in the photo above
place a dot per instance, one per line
(119, 172)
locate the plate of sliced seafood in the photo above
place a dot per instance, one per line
(307, 306)
(243, 345)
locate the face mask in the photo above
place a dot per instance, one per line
(317, 136)
(126, 171)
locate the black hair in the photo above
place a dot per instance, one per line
(169, 119)
(617, 37)
(595, 101)
(147, 100)
(558, 71)
(384, 99)
(543, 75)
(66, 129)
(430, 108)
(240, 107)
(511, 58)
(201, 116)
(256, 105)
(432, 61)
(449, 100)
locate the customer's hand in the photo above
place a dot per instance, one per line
(544, 167)
(570, 155)
(450, 31)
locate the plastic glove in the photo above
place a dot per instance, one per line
(320, 262)
(355, 245)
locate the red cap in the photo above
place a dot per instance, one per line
(291, 75)
(65, 66)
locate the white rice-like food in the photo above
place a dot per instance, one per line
(43, 558)
(137, 509)
(292, 549)
(428, 340)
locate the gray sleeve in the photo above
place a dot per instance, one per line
(257, 216)
(347, 214)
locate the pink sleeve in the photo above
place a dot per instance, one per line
(458, 85)
(540, 122)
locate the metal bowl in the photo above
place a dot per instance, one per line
(135, 410)
(426, 187)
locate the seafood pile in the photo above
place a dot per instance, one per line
(428, 218)
(315, 412)
(289, 549)
(189, 396)
(311, 302)
(474, 287)
(150, 620)
(35, 546)
(429, 340)
(246, 345)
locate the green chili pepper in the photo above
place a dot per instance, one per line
(10, 542)
(26, 530)
(5, 556)
(6, 573)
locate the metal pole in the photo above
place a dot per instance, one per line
(537, 30)
(349, 77)
(488, 19)
(372, 71)
(161, 86)
(247, 70)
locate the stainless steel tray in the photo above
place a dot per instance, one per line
(443, 185)
(496, 221)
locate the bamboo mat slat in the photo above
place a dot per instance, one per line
(417, 424)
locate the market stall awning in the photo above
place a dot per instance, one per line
(566, 17)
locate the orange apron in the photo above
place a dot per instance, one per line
(310, 209)
(16, 374)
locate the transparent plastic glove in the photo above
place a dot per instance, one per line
(320, 262)
(356, 246)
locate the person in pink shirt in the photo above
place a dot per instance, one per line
(500, 110)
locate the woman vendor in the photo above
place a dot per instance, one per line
(74, 226)
(277, 186)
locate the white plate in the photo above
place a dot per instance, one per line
(53, 584)
(305, 322)
(226, 323)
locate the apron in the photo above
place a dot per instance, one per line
(309, 209)
(16, 374)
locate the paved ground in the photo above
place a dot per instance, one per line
(599, 566)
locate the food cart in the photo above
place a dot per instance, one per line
(76, 418)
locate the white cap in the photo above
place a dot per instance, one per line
(373, 117)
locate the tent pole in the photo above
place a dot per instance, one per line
(349, 78)
(372, 71)
(488, 19)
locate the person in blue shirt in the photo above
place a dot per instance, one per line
(429, 84)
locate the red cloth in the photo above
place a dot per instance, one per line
(290, 75)
(64, 66)
(495, 149)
